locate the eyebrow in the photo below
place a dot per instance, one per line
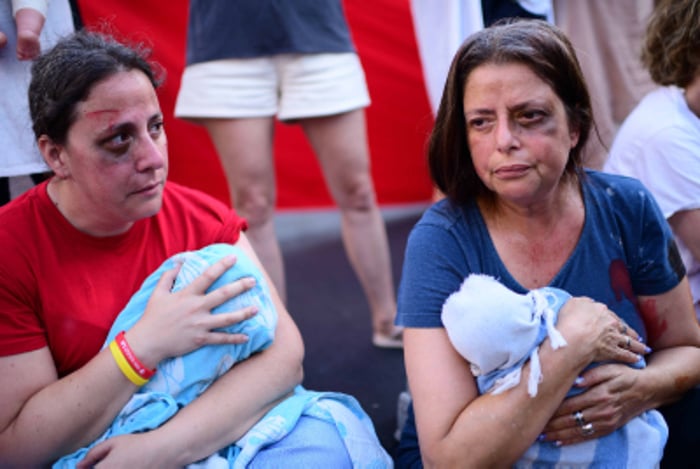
(518, 107)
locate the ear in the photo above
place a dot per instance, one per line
(54, 156)
(574, 134)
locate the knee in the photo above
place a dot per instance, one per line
(357, 196)
(258, 207)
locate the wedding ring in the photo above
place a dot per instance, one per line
(629, 342)
(587, 429)
(578, 416)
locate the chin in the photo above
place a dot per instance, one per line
(147, 209)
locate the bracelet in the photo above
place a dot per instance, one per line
(124, 366)
(135, 363)
(127, 362)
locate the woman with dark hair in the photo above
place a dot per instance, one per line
(506, 152)
(77, 247)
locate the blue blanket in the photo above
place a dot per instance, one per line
(180, 380)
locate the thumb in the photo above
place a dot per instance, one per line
(95, 455)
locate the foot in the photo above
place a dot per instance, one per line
(392, 339)
(28, 46)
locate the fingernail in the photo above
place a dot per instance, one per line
(647, 349)
(641, 339)
(557, 443)
(541, 437)
(579, 381)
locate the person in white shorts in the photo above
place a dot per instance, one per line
(251, 61)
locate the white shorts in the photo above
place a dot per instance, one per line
(289, 86)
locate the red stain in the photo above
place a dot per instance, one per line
(655, 325)
(620, 282)
(622, 287)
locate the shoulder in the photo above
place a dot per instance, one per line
(613, 185)
(443, 215)
(620, 200)
(191, 202)
(193, 210)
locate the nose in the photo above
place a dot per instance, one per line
(506, 138)
(151, 154)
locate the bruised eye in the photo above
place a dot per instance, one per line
(118, 141)
(531, 116)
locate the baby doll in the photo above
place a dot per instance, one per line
(498, 330)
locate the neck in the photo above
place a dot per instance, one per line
(692, 95)
(566, 201)
(84, 218)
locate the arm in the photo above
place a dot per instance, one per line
(686, 225)
(452, 418)
(93, 395)
(227, 410)
(619, 393)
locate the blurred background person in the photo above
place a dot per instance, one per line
(251, 61)
(19, 155)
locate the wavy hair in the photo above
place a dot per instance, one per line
(671, 50)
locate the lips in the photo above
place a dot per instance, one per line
(153, 187)
(511, 171)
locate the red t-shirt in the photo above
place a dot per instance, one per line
(63, 288)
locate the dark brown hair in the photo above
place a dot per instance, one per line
(534, 43)
(64, 76)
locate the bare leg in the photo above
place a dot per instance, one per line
(340, 142)
(245, 149)
(29, 24)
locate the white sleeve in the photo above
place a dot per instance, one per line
(41, 6)
(673, 170)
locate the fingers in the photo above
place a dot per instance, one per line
(226, 292)
(211, 274)
(219, 323)
(95, 455)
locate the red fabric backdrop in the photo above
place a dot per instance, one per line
(398, 120)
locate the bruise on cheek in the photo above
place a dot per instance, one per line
(656, 325)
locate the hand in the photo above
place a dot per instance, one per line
(134, 451)
(611, 400)
(598, 332)
(175, 323)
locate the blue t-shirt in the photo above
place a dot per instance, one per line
(225, 29)
(625, 249)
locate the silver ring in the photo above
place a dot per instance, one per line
(624, 329)
(587, 429)
(578, 416)
(629, 342)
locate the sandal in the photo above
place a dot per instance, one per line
(393, 341)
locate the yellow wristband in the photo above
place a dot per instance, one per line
(123, 365)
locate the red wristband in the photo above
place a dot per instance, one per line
(134, 362)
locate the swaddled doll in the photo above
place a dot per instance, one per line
(180, 380)
(498, 330)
